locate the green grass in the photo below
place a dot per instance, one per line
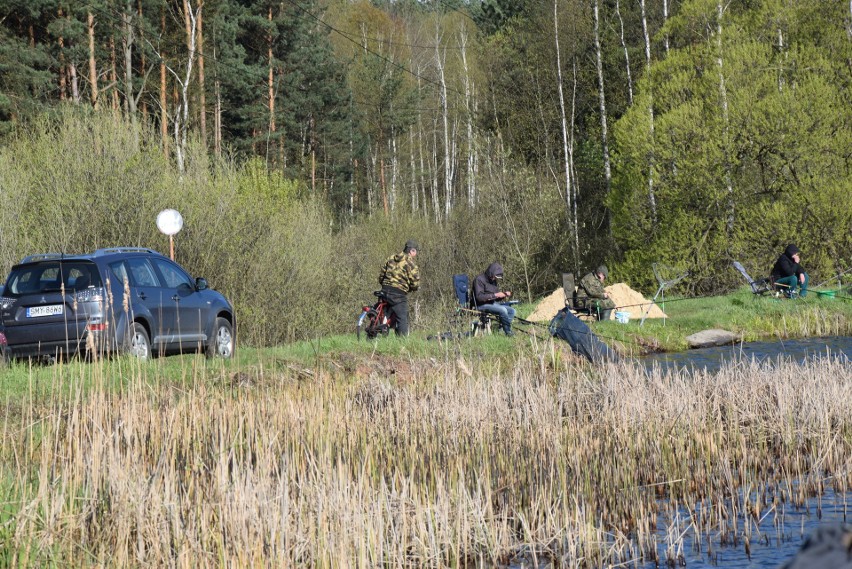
(740, 312)
(753, 317)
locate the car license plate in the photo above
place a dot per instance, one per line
(49, 310)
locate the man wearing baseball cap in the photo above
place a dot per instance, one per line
(398, 277)
(591, 294)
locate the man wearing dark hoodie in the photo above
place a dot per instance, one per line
(789, 274)
(487, 293)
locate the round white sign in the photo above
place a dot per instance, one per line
(169, 221)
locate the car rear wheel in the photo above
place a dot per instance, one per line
(139, 345)
(222, 343)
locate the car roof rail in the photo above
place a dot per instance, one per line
(42, 257)
(112, 250)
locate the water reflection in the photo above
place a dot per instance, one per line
(777, 539)
(767, 353)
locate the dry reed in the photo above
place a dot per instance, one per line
(568, 466)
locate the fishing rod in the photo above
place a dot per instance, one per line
(495, 318)
(650, 302)
(589, 333)
(837, 276)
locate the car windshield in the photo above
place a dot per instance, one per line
(52, 276)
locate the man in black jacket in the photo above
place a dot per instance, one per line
(487, 293)
(788, 274)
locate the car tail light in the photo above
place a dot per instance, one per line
(97, 327)
(3, 341)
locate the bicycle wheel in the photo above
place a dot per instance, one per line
(366, 324)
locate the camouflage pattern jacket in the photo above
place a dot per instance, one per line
(401, 272)
(590, 287)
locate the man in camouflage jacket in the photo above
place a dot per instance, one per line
(398, 277)
(592, 296)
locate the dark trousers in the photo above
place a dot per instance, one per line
(398, 302)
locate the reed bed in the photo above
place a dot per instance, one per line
(464, 464)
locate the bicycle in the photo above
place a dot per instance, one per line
(376, 319)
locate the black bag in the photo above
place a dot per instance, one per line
(583, 341)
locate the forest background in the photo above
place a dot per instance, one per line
(305, 140)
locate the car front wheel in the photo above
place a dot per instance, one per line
(139, 345)
(222, 343)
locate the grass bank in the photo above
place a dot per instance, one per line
(752, 317)
(464, 460)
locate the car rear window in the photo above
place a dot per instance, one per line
(50, 276)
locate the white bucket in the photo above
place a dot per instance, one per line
(622, 317)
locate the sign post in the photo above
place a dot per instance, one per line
(170, 222)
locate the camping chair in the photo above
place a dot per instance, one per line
(467, 304)
(570, 289)
(667, 277)
(758, 287)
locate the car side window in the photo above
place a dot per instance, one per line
(173, 276)
(141, 272)
(119, 271)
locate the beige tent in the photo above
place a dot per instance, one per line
(621, 294)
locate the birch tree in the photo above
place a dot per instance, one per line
(723, 101)
(626, 53)
(567, 149)
(602, 103)
(652, 200)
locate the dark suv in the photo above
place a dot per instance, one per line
(123, 299)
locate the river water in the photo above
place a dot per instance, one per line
(777, 544)
(712, 359)
(777, 538)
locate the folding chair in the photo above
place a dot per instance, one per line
(758, 287)
(482, 321)
(667, 277)
(570, 289)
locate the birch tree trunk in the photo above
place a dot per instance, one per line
(75, 85)
(181, 121)
(651, 158)
(271, 89)
(63, 76)
(164, 106)
(436, 199)
(565, 151)
(142, 64)
(93, 68)
(781, 50)
(440, 61)
(394, 170)
(602, 103)
(666, 19)
(217, 119)
(468, 105)
(129, 94)
(412, 166)
(723, 98)
(113, 74)
(626, 54)
(572, 175)
(202, 96)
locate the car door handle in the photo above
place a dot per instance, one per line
(176, 298)
(141, 295)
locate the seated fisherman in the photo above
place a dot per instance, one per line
(487, 293)
(788, 275)
(592, 296)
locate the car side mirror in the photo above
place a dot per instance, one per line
(201, 283)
